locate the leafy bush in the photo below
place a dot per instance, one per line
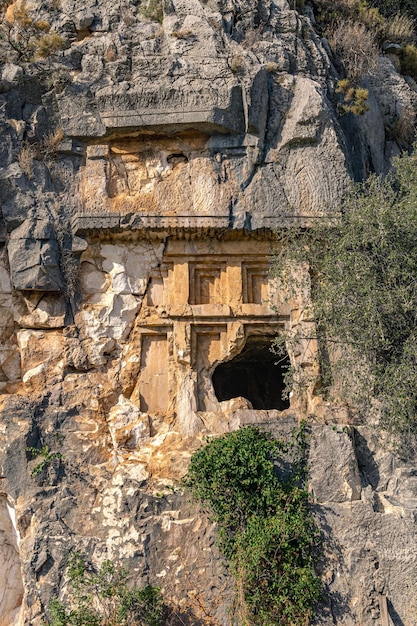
(105, 598)
(363, 268)
(409, 60)
(265, 528)
(388, 8)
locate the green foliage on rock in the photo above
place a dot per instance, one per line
(408, 58)
(355, 98)
(356, 30)
(153, 10)
(105, 598)
(254, 485)
(363, 274)
(388, 8)
(47, 457)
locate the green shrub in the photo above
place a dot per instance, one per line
(47, 457)
(153, 10)
(105, 598)
(409, 60)
(362, 279)
(266, 530)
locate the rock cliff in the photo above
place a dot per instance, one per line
(143, 172)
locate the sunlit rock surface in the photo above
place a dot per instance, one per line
(137, 308)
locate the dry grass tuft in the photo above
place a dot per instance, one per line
(356, 47)
(399, 29)
(236, 63)
(271, 67)
(182, 33)
(25, 158)
(110, 54)
(51, 141)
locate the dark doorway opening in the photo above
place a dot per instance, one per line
(254, 375)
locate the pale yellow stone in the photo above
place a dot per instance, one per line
(11, 587)
(41, 357)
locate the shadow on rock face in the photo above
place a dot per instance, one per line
(334, 607)
(396, 619)
(366, 462)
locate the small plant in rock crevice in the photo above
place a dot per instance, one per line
(67, 261)
(25, 158)
(44, 150)
(182, 33)
(354, 98)
(154, 10)
(408, 58)
(236, 64)
(105, 598)
(47, 458)
(266, 530)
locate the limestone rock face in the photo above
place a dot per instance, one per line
(142, 177)
(12, 589)
(34, 239)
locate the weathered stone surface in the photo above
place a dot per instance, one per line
(88, 123)
(34, 257)
(336, 475)
(33, 311)
(41, 358)
(10, 371)
(11, 592)
(186, 144)
(11, 76)
(134, 515)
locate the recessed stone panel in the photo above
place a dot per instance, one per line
(153, 383)
(158, 288)
(255, 283)
(206, 283)
(209, 348)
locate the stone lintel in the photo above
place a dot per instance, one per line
(182, 226)
(175, 121)
(119, 223)
(212, 110)
(232, 249)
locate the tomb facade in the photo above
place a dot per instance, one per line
(198, 303)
